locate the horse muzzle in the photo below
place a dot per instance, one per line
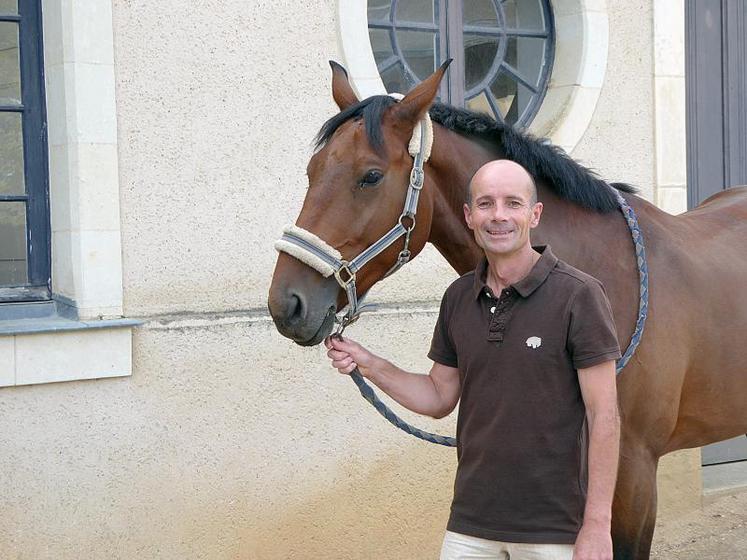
(303, 309)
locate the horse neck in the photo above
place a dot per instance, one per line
(454, 159)
(599, 244)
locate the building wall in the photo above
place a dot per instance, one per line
(228, 441)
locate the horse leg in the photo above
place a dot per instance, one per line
(634, 506)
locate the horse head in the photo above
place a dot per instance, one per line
(358, 181)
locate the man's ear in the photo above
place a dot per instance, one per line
(537, 214)
(414, 105)
(342, 92)
(467, 215)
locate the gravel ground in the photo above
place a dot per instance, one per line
(717, 532)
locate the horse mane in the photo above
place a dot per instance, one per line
(371, 110)
(566, 177)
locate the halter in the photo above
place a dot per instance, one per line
(327, 260)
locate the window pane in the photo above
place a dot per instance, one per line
(13, 268)
(504, 91)
(523, 98)
(395, 81)
(420, 11)
(419, 50)
(480, 104)
(523, 14)
(9, 7)
(526, 55)
(11, 154)
(479, 54)
(480, 12)
(10, 68)
(381, 45)
(378, 10)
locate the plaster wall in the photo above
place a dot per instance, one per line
(221, 447)
(619, 143)
(228, 441)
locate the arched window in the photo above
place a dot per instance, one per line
(502, 51)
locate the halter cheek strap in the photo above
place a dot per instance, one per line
(322, 257)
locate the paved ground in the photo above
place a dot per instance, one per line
(717, 532)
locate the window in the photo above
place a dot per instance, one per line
(24, 206)
(502, 51)
(80, 332)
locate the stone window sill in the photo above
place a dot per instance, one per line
(43, 343)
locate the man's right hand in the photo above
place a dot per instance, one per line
(435, 394)
(346, 355)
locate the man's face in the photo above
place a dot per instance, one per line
(501, 215)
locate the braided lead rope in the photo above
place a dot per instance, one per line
(640, 252)
(640, 257)
(369, 394)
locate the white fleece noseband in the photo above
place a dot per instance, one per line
(325, 268)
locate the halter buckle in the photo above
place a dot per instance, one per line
(344, 268)
(417, 178)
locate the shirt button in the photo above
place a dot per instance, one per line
(492, 309)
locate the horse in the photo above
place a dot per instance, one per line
(686, 385)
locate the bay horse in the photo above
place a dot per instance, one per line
(686, 385)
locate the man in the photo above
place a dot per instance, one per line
(528, 344)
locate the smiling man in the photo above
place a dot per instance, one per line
(527, 345)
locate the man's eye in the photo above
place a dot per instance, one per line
(371, 178)
(514, 204)
(483, 205)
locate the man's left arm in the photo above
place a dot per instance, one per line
(599, 391)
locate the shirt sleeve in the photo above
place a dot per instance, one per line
(442, 347)
(592, 336)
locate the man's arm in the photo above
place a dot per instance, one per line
(435, 394)
(599, 391)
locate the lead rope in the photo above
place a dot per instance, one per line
(640, 253)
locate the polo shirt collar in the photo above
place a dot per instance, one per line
(539, 273)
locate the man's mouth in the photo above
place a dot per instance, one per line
(499, 232)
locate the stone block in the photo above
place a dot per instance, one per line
(62, 356)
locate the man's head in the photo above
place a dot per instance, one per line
(502, 207)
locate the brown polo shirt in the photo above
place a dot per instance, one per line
(521, 447)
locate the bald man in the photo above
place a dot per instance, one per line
(527, 345)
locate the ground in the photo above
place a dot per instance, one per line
(717, 532)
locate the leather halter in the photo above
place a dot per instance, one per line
(313, 251)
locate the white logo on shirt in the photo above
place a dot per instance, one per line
(534, 342)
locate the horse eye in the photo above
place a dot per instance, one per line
(371, 178)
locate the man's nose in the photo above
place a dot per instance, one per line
(499, 213)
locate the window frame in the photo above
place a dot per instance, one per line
(450, 31)
(35, 150)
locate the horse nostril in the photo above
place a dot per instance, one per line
(296, 309)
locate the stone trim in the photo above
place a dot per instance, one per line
(95, 341)
(27, 359)
(669, 106)
(83, 160)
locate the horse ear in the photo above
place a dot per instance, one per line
(342, 93)
(414, 105)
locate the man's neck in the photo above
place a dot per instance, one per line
(504, 270)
